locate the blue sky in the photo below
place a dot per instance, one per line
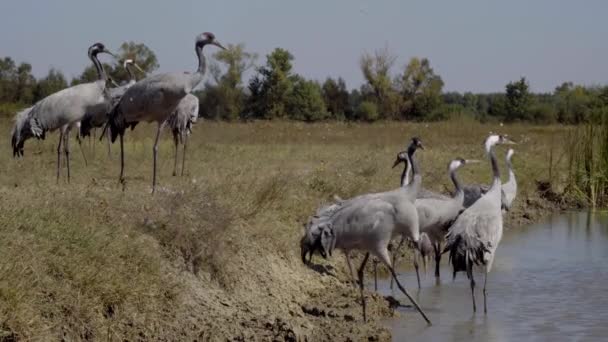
(474, 45)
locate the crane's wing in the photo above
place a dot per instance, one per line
(473, 237)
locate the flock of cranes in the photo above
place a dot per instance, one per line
(467, 224)
(163, 98)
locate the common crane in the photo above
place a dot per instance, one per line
(63, 110)
(154, 98)
(473, 238)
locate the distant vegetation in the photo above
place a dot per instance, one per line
(415, 93)
(275, 91)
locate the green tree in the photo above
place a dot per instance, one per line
(367, 111)
(16, 82)
(336, 95)
(25, 84)
(420, 89)
(52, 83)
(270, 88)
(228, 94)
(8, 71)
(305, 101)
(518, 100)
(376, 70)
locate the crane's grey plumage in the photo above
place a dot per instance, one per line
(509, 189)
(180, 122)
(475, 235)
(154, 99)
(63, 110)
(98, 116)
(436, 216)
(368, 222)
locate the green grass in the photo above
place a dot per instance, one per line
(588, 164)
(87, 261)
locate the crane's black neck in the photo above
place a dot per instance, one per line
(495, 169)
(456, 182)
(410, 155)
(416, 177)
(101, 73)
(405, 174)
(130, 72)
(202, 61)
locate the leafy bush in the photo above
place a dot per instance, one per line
(367, 111)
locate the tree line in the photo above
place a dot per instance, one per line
(275, 91)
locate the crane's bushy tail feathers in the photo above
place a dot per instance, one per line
(464, 250)
(86, 126)
(116, 123)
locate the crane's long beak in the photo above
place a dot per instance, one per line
(397, 162)
(109, 53)
(216, 43)
(471, 161)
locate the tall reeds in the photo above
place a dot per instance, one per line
(588, 163)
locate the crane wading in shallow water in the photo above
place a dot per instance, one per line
(368, 222)
(473, 238)
(98, 116)
(154, 99)
(436, 216)
(63, 110)
(180, 122)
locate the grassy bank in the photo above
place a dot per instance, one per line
(215, 253)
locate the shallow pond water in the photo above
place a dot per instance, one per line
(549, 282)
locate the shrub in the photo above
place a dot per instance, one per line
(367, 111)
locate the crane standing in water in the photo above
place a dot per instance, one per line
(475, 235)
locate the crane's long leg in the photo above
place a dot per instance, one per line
(416, 266)
(160, 128)
(109, 142)
(437, 248)
(383, 256)
(122, 161)
(360, 273)
(350, 268)
(79, 140)
(471, 278)
(176, 143)
(66, 145)
(184, 156)
(375, 261)
(59, 154)
(485, 305)
(394, 262)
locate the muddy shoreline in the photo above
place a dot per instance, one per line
(329, 307)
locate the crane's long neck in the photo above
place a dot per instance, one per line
(405, 175)
(101, 73)
(456, 182)
(197, 77)
(510, 168)
(417, 178)
(131, 74)
(495, 169)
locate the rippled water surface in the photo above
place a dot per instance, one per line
(549, 282)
